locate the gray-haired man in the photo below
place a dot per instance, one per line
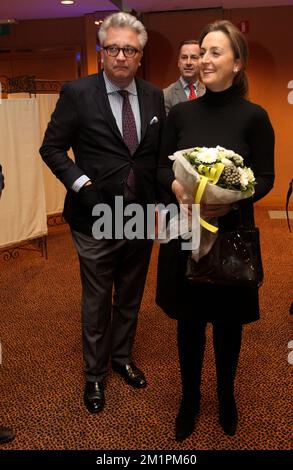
(113, 122)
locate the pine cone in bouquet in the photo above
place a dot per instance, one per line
(230, 178)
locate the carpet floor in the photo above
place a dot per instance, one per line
(41, 379)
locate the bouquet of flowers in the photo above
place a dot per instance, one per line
(213, 176)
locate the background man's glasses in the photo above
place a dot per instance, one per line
(128, 51)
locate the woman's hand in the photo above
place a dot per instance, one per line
(206, 210)
(182, 197)
(214, 210)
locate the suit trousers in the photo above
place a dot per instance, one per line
(191, 337)
(113, 275)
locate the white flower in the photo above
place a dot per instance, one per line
(250, 174)
(207, 155)
(238, 160)
(226, 161)
(244, 180)
(227, 153)
(230, 155)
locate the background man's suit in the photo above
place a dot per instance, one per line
(83, 119)
(175, 93)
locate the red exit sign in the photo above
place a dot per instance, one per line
(243, 26)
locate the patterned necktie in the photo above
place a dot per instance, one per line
(128, 123)
(130, 138)
(192, 94)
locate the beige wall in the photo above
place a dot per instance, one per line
(44, 33)
(47, 48)
(166, 31)
(50, 65)
(270, 70)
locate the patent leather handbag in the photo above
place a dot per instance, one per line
(234, 259)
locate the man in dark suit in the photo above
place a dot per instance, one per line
(188, 87)
(115, 138)
(6, 434)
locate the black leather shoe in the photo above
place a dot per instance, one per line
(185, 420)
(131, 374)
(228, 416)
(6, 435)
(94, 398)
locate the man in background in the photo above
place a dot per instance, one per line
(6, 434)
(188, 87)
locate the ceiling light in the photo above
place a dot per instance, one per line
(67, 2)
(7, 21)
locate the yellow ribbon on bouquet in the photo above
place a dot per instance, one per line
(212, 175)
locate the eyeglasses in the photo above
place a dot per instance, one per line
(128, 51)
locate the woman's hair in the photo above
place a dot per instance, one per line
(239, 48)
(123, 20)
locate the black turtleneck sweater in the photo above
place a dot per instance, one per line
(215, 119)
(225, 119)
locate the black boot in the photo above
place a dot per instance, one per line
(6, 435)
(191, 345)
(185, 420)
(227, 345)
(228, 415)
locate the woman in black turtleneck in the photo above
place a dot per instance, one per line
(221, 117)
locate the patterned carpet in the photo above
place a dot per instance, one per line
(41, 374)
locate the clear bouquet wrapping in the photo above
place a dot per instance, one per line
(212, 176)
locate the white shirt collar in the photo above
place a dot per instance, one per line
(112, 88)
(186, 85)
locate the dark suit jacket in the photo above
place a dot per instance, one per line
(84, 121)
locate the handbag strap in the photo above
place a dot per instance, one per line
(287, 202)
